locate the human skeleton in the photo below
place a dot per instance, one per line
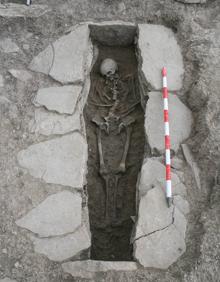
(113, 96)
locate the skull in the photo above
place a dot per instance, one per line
(108, 67)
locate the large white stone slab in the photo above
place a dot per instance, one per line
(153, 212)
(89, 268)
(160, 249)
(180, 121)
(71, 55)
(62, 248)
(43, 61)
(49, 123)
(60, 99)
(57, 215)
(59, 161)
(8, 46)
(158, 49)
(153, 172)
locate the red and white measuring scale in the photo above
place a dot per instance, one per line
(167, 138)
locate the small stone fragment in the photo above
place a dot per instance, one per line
(190, 160)
(1, 81)
(177, 163)
(153, 212)
(43, 61)
(62, 248)
(8, 46)
(89, 268)
(70, 55)
(22, 75)
(48, 123)
(181, 204)
(59, 161)
(160, 249)
(57, 215)
(180, 121)
(155, 58)
(4, 251)
(60, 99)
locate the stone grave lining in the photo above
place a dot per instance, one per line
(159, 237)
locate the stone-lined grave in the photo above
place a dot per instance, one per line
(60, 224)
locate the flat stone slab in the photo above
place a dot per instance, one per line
(60, 99)
(50, 123)
(57, 215)
(43, 61)
(8, 46)
(22, 75)
(180, 121)
(70, 53)
(62, 248)
(160, 249)
(11, 10)
(59, 160)
(68, 59)
(89, 268)
(158, 49)
(153, 172)
(153, 212)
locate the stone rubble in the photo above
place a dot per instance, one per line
(180, 121)
(154, 58)
(60, 99)
(8, 46)
(65, 247)
(87, 269)
(60, 160)
(58, 214)
(22, 75)
(50, 123)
